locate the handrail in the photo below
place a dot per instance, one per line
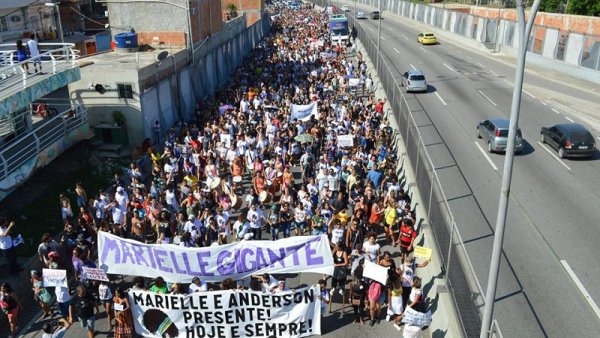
(10, 68)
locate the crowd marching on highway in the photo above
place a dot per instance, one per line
(247, 166)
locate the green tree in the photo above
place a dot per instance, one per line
(552, 6)
(584, 7)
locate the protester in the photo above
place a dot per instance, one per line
(40, 294)
(10, 306)
(56, 329)
(7, 246)
(123, 317)
(85, 304)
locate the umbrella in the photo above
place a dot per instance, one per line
(304, 138)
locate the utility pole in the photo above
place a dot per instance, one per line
(378, 37)
(524, 30)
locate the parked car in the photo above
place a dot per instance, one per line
(426, 38)
(414, 81)
(361, 15)
(346, 8)
(375, 15)
(569, 139)
(495, 133)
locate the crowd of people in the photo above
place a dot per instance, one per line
(243, 168)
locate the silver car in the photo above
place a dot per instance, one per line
(361, 15)
(414, 81)
(495, 133)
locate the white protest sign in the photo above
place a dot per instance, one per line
(237, 260)
(303, 112)
(54, 277)
(375, 272)
(353, 82)
(94, 274)
(345, 141)
(227, 314)
(225, 138)
(416, 318)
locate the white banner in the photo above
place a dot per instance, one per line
(375, 272)
(238, 260)
(353, 82)
(54, 277)
(303, 112)
(227, 314)
(94, 274)
(345, 141)
(416, 318)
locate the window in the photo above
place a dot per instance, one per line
(125, 91)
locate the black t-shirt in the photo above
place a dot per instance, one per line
(84, 306)
(165, 229)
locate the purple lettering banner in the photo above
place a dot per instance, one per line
(213, 264)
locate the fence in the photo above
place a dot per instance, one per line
(462, 282)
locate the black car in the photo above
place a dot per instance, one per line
(375, 15)
(570, 140)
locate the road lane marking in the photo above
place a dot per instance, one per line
(581, 288)
(439, 97)
(480, 65)
(510, 83)
(487, 98)
(468, 58)
(528, 93)
(544, 103)
(598, 137)
(424, 50)
(555, 157)
(487, 157)
(411, 66)
(556, 111)
(452, 69)
(405, 37)
(494, 73)
(382, 38)
(390, 28)
(397, 51)
(569, 119)
(371, 29)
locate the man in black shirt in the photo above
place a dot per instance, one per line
(85, 304)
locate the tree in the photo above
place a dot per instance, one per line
(584, 7)
(552, 6)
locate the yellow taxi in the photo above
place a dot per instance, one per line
(426, 38)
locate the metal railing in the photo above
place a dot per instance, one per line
(27, 146)
(462, 281)
(53, 57)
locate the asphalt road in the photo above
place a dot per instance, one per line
(554, 204)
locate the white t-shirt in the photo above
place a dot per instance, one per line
(255, 217)
(325, 296)
(408, 274)
(198, 288)
(62, 294)
(371, 250)
(104, 293)
(33, 48)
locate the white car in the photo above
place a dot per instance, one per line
(346, 8)
(361, 15)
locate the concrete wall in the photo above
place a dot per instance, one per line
(171, 26)
(569, 42)
(254, 9)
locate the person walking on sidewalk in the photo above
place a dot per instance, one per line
(85, 304)
(34, 52)
(7, 247)
(10, 305)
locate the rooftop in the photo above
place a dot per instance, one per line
(126, 61)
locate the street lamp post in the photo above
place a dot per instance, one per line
(378, 37)
(60, 28)
(524, 30)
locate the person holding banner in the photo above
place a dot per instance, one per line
(123, 317)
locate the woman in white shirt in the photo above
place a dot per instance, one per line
(197, 286)
(371, 248)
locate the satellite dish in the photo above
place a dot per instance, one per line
(162, 55)
(100, 88)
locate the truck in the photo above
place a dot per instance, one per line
(338, 28)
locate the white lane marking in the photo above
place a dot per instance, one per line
(405, 37)
(581, 288)
(382, 38)
(556, 111)
(487, 157)
(439, 97)
(480, 65)
(487, 98)
(598, 137)
(371, 29)
(424, 50)
(528, 93)
(544, 103)
(494, 73)
(555, 157)
(397, 51)
(468, 58)
(569, 119)
(452, 69)
(411, 66)
(390, 28)
(510, 83)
